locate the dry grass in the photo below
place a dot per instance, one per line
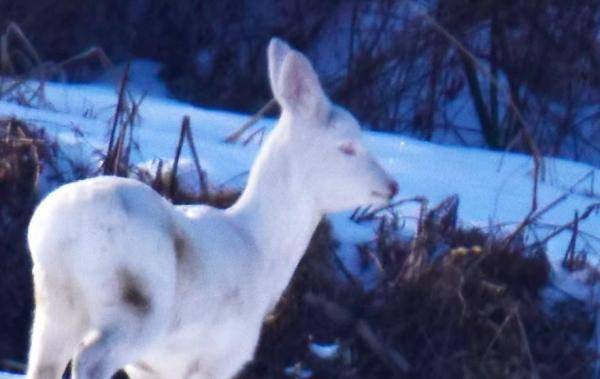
(25, 153)
(451, 302)
(473, 309)
(23, 72)
(21, 152)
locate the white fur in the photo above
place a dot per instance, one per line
(125, 279)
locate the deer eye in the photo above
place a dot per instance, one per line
(348, 149)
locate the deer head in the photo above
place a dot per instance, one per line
(324, 139)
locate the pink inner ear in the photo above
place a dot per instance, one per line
(296, 87)
(296, 80)
(348, 148)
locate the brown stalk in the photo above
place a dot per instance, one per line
(235, 136)
(417, 258)
(186, 134)
(109, 161)
(570, 256)
(526, 133)
(368, 213)
(534, 215)
(173, 183)
(579, 218)
(532, 365)
(201, 174)
(392, 359)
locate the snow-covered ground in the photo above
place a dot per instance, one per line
(494, 188)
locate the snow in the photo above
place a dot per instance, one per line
(493, 187)
(324, 351)
(298, 372)
(143, 78)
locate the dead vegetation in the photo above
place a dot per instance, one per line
(121, 140)
(29, 160)
(23, 151)
(23, 72)
(451, 302)
(471, 307)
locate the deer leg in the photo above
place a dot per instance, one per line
(126, 321)
(57, 328)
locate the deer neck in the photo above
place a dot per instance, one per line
(277, 210)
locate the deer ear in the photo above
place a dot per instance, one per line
(276, 53)
(294, 82)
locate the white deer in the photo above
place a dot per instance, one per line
(125, 279)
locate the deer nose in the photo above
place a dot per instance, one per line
(393, 188)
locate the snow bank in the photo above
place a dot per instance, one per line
(493, 187)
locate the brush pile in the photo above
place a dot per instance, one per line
(29, 160)
(451, 303)
(22, 153)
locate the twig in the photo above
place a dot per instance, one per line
(361, 214)
(498, 333)
(173, 183)
(342, 266)
(186, 133)
(586, 214)
(94, 51)
(396, 362)
(235, 136)
(416, 259)
(132, 113)
(530, 142)
(368, 214)
(569, 258)
(15, 30)
(158, 183)
(596, 337)
(201, 173)
(233, 178)
(108, 163)
(36, 68)
(532, 365)
(555, 227)
(259, 131)
(533, 215)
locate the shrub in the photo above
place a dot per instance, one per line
(472, 309)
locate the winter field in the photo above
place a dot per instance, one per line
(494, 188)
